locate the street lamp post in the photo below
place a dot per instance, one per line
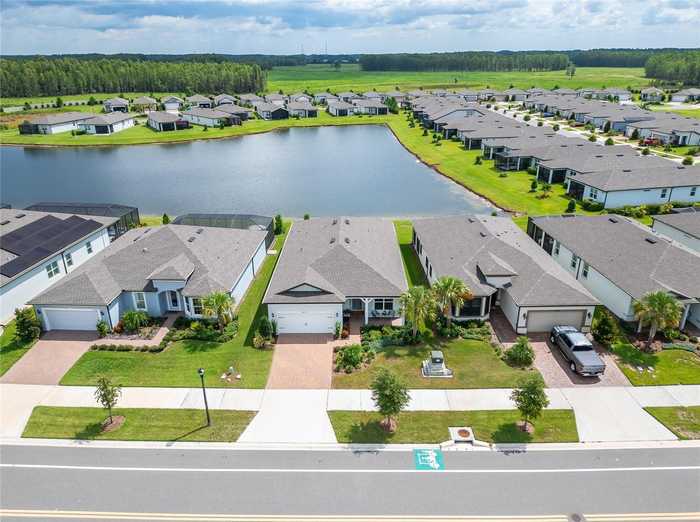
(204, 392)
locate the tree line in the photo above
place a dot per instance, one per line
(38, 76)
(465, 61)
(614, 57)
(681, 67)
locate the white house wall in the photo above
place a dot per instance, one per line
(677, 235)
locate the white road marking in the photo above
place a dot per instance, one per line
(346, 471)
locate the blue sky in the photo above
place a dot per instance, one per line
(351, 26)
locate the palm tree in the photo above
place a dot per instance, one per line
(659, 310)
(418, 304)
(219, 305)
(450, 291)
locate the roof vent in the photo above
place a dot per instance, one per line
(482, 234)
(332, 240)
(144, 250)
(347, 221)
(191, 239)
(471, 220)
(347, 240)
(626, 170)
(613, 220)
(200, 230)
(335, 221)
(650, 240)
(20, 215)
(598, 155)
(4, 222)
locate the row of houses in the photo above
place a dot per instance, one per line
(337, 269)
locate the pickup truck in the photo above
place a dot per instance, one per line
(578, 351)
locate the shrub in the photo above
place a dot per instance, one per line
(279, 225)
(338, 329)
(349, 358)
(671, 334)
(166, 219)
(646, 151)
(591, 206)
(609, 141)
(133, 320)
(521, 353)
(570, 206)
(604, 328)
(555, 127)
(592, 138)
(539, 124)
(526, 117)
(307, 217)
(102, 328)
(27, 326)
(477, 160)
(533, 186)
(687, 160)
(264, 327)
(258, 342)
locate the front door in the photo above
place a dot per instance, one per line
(173, 300)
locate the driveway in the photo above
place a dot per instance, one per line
(302, 361)
(50, 358)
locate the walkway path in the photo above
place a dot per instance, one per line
(602, 414)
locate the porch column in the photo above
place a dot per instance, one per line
(483, 306)
(366, 302)
(686, 311)
(517, 167)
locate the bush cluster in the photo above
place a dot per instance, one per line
(27, 326)
(520, 354)
(353, 357)
(380, 336)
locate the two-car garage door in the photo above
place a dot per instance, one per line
(305, 322)
(71, 318)
(544, 320)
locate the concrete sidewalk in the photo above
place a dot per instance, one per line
(610, 414)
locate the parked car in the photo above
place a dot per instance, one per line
(651, 142)
(578, 351)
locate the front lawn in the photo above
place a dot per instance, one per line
(11, 350)
(411, 263)
(430, 427)
(178, 364)
(48, 422)
(669, 366)
(683, 422)
(475, 365)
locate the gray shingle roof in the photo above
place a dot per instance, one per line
(214, 114)
(627, 253)
(672, 175)
(471, 247)
(61, 117)
(214, 260)
(197, 98)
(109, 119)
(687, 222)
(163, 117)
(145, 100)
(343, 257)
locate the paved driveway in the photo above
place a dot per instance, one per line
(50, 358)
(302, 361)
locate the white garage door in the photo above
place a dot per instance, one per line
(71, 319)
(544, 320)
(310, 322)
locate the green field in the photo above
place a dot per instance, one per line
(683, 422)
(430, 427)
(11, 350)
(186, 425)
(669, 366)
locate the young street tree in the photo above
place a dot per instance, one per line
(530, 399)
(107, 394)
(219, 305)
(658, 310)
(450, 291)
(390, 395)
(418, 305)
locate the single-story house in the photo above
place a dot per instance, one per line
(222, 99)
(199, 101)
(127, 217)
(324, 98)
(373, 95)
(172, 103)
(271, 111)
(652, 94)
(166, 121)
(301, 109)
(620, 260)
(686, 95)
(682, 227)
(116, 105)
(399, 97)
(340, 108)
(39, 248)
(145, 104)
(54, 123)
(156, 270)
(335, 267)
(348, 96)
(107, 123)
(238, 221)
(515, 94)
(502, 268)
(668, 128)
(243, 113)
(249, 99)
(210, 117)
(276, 99)
(371, 107)
(300, 97)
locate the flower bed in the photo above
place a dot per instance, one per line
(145, 332)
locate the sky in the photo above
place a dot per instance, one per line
(341, 26)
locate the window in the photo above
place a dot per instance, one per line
(140, 300)
(196, 306)
(594, 193)
(69, 259)
(384, 304)
(574, 261)
(88, 246)
(693, 190)
(52, 269)
(556, 248)
(584, 272)
(663, 193)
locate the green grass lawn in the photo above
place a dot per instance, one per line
(317, 78)
(142, 134)
(151, 220)
(670, 366)
(411, 263)
(139, 424)
(475, 365)
(11, 350)
(425, 427)
(683, 422)
(178, 364)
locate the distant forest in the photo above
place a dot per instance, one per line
(37, 76)
(675, 67)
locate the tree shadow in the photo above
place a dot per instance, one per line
(632, 356)
(91, 431)
(195, 346)
(191, 432)
(370, 432)
(509, 432)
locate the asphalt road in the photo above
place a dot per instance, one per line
(174, 483)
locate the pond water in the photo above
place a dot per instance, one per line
(343, 170)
